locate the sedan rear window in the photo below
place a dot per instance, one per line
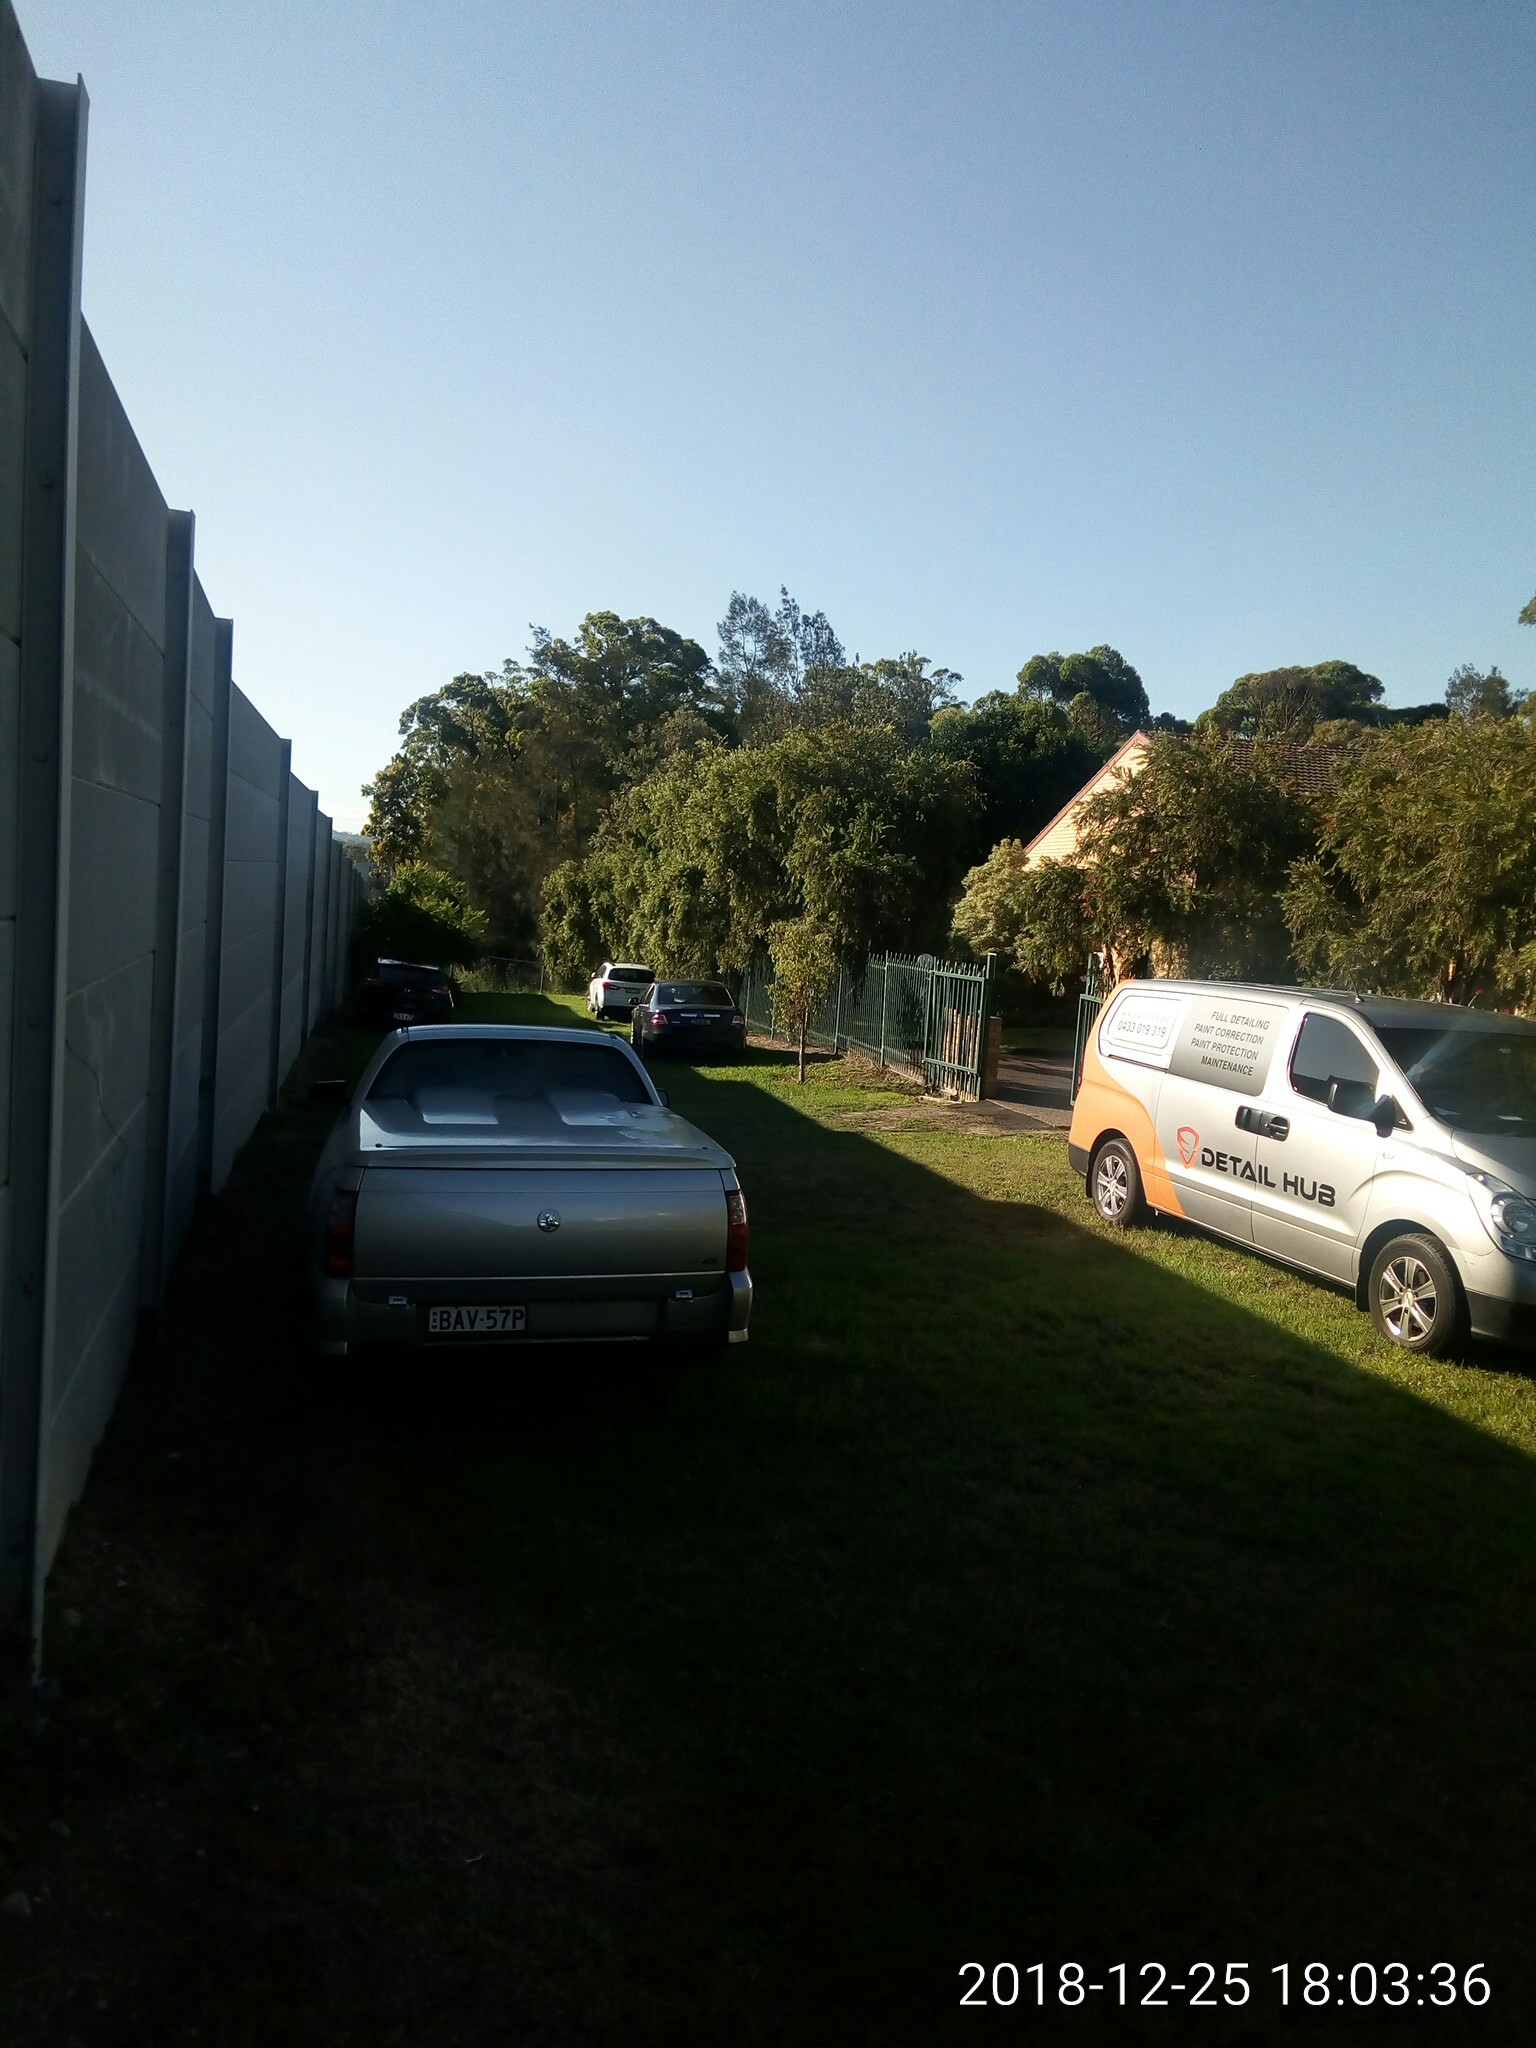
(506, 1070)
(708, 992)
(397, 974)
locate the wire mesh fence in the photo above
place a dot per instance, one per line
(918, 1014)
(494, 976)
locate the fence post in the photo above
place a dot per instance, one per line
(44, 700)
(175, 695)
(280, 924)
(985, 1071)
(213, 953)
(885, 996)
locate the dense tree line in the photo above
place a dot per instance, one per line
(1408, 864)
(622, 792)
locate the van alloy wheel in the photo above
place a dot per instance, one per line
(1115, 1184)
(1414, 1298)
(1408, 1299)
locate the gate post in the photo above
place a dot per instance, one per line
(987, 1051)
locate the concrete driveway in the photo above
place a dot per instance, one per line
(1038, 1085)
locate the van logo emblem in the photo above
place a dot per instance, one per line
(1189, 1143)
(549, 1219)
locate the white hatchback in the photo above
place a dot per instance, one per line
(616, 987)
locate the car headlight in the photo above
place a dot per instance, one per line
(1508, 1218)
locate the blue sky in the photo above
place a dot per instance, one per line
(1206, 330)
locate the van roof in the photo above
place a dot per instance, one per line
(1390, 1011)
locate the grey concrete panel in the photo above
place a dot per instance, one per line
(122, 518)
(98, 1318)
(114, 847)
(7, 993)
(13, 435)
(250, 823)
(243, 1059)
(318, 877)
(29, 1363)
(189, 993)
(98, 1240)
(245, 979)
(106, 1068)
(199, 761)
(194, 878)
(249, 888)
(18, 145)
(10, 740)
(255, 750)
(119, 682)
(204, 679)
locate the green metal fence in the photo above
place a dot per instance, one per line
(924, 1016)
(1089, 1004)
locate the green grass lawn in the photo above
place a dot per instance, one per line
(1021, 1592)
(1037, 1038)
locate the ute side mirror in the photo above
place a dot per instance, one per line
(337, 1092)
(664, 1098)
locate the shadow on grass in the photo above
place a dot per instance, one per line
(1010, 1597)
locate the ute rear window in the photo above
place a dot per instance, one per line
(506, 1070)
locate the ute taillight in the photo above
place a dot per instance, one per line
(340, 1223)
(735, 1231)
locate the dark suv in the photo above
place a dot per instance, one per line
(404, 992)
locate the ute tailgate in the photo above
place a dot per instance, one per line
(444, 1222)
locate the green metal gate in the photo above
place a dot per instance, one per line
(922, 1015)
(1089, 1004)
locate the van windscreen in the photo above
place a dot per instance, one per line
(1474, 1081)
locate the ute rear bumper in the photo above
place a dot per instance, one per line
(678, 1311)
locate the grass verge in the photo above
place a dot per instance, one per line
(1020, 1593)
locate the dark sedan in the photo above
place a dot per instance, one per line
(404, 992)
(688, 1017)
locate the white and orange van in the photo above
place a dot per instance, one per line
(1383, 1144)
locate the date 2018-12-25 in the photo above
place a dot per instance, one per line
(1209, 1984)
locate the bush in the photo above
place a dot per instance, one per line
(420, 914)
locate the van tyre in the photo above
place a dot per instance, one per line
(1415, 1297)
(1114, 1184)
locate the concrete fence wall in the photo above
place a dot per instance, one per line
(174, 911)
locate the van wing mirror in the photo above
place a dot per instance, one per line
(1388, 1117)
(1352, 1098)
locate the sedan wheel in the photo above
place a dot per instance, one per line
(1415, 1301)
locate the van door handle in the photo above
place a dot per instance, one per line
(1263, 1123)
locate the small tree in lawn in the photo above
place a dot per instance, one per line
(804, 969)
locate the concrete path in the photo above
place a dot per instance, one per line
(1037, 1086)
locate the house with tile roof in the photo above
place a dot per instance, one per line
(1309, 765)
